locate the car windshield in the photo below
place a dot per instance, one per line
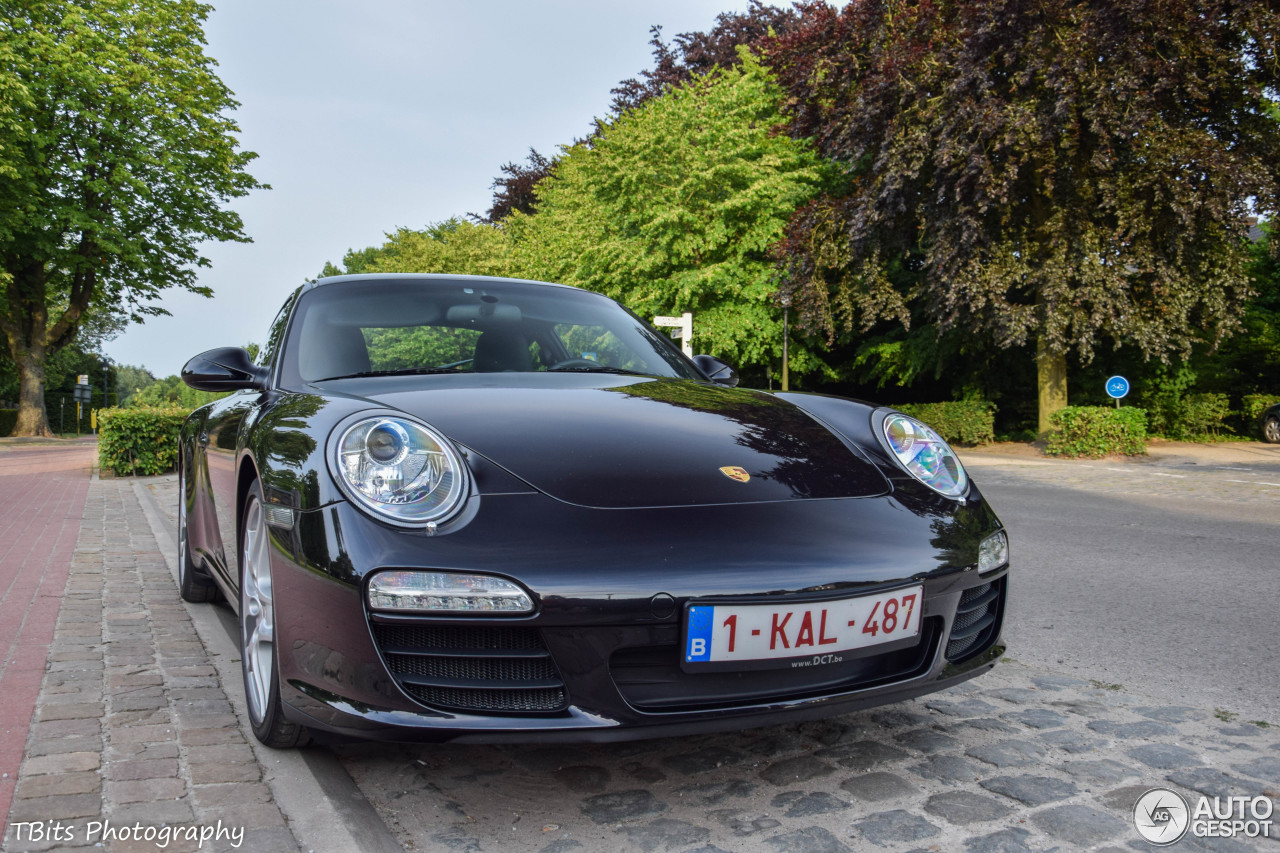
(418, 325)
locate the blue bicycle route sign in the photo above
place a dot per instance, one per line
(1117, 387)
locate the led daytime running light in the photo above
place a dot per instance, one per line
(446, 592)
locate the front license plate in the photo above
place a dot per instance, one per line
(755, 633)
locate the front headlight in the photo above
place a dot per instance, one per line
(925, 455)
(402, 471)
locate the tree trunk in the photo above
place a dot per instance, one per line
(25, 327)
(32, 417)
(1051, 379)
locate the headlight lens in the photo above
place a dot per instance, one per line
(993, 552)
(402, 471)
(925, 455)
(446, 592)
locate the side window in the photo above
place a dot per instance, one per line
(407, 347)
(267, 355)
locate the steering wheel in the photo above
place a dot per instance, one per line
(574, 362)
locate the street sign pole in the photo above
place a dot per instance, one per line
(685, 324)
(786, 307)
(83, 394)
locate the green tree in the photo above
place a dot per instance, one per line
(673, 64)
(674, 207)
(131, 380)
(453, 246)
(1050, 172)
(117, 156)
(171, 391)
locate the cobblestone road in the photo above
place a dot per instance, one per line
(1024, 758)
(1018, 760)
(133, 724)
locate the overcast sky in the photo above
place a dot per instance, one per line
(371, 116)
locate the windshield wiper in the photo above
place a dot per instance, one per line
(601, 369)
(406, 371)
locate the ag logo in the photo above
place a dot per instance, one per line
(733, 472)
(1161, 817)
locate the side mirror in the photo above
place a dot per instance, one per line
(224, 369)
(717, 371)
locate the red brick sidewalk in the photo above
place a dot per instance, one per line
(42, 497)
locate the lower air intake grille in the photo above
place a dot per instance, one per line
(473, 669)
(650, 677)
(977, 619)
(490, 701)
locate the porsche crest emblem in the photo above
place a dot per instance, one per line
(733, 472)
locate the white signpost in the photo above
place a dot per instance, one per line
(685, 324)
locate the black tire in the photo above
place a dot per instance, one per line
(258, 660)
(1271, 430)
(192, 585)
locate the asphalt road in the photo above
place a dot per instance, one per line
(1160, 576)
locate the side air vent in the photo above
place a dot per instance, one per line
(473, 669)
(977, 619)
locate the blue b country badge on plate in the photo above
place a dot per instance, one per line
(698, 637)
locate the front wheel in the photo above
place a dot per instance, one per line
(192, 586)
(1271, 430)
(257, 631)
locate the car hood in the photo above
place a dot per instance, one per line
(617, 442)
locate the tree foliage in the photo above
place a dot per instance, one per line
(673, 64)
(514, 191)
(674, 207)
(169, 392)
(1051, 171)
(700, 53)
(131, 380)
(117, 156)
(453, 246)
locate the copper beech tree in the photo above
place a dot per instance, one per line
(117, 157)
(1070, 173)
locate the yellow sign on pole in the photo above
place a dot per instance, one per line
(93, 419)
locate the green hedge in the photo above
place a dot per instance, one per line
(1203, 415)
(139, 441)
(962, 422)
(1251, 408)
(1096, 431)
(8, 419)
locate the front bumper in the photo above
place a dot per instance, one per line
(598, 661)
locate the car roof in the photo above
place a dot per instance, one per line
(429, 277)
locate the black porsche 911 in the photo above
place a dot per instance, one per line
(481, 509)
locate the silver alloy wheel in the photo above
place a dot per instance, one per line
(1272, 430)
(257, 612)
